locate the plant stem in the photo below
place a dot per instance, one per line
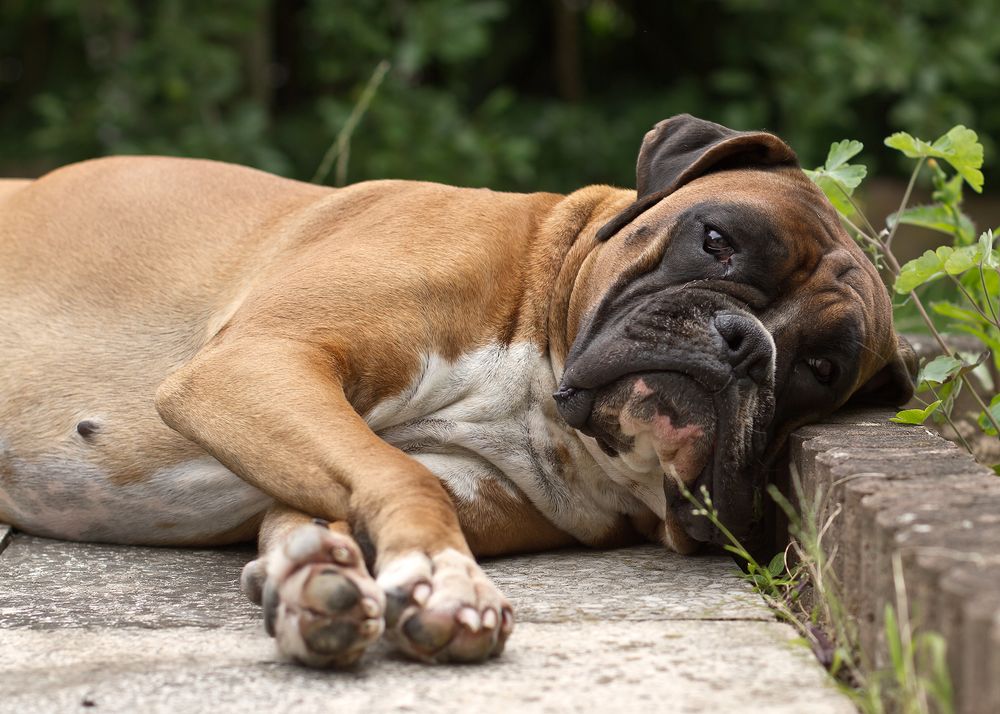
(979, 400)
(857, 209)
(886, 250)
(986, 295)
(947, 417)
(340, 149)
(968, 296)
(903, 204)
(861, 234)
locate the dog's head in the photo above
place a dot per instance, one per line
(725, 307)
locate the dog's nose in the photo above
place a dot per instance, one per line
(746, 346)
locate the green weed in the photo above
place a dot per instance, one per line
(965, 274)
(917, 673)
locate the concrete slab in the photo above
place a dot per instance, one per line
(54, 584)
(676, 666)
(641, 583)
(87, 627)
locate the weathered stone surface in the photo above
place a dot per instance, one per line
(49, 584)
(121, 629)
(905, 491)
(643, 583)
(54, 584)
(675, 666)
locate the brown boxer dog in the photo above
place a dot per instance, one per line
(193, 353)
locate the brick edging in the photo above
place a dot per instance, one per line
(906, 489)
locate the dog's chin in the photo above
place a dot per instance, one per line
(657, 421)
(665, 437)
(658, 432)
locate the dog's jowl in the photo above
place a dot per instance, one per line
(197, 353)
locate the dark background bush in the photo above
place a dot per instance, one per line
(513, 94)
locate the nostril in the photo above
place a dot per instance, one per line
(730, 332)
(745, 346)
(733, 330)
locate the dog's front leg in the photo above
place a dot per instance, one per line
(275, 413)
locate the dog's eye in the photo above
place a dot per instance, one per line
(824, 370)
(717, 244)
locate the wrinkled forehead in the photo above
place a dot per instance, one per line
(826, 278)
(783, 197)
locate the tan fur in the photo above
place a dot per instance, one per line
(216, 276)
(293, 310)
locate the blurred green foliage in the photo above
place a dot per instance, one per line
(515, 94)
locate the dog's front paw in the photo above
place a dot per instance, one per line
(443, 608)
(320, 604)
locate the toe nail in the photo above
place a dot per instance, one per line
(470, 618)
(508, 620)
(269, 602)
(421, 593)
(370, 607)
(342, 555)
(489, 619)
(321, 522)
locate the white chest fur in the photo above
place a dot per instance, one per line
(489, 416)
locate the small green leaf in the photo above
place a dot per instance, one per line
(940, 369)
(912, 148)
(893, 638)
(850, 175)
(991, 258)
(936, 217)
(962, 259)
(960, 147)
(933, 651)
(949, 191)
(915, 416)
(943, 369)
(836, 177)
(833, 190)
(957, 312)
(984, 423)
(996, 469)
(841, 152)
(947, 393)
(922, 270)
(777, 565)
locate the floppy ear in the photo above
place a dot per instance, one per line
(682, 148)
(893, 385)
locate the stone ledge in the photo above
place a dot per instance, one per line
(904, 489)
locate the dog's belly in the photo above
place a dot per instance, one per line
(195, 502)
(112, 275)
(486, 426)
(83, 453)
